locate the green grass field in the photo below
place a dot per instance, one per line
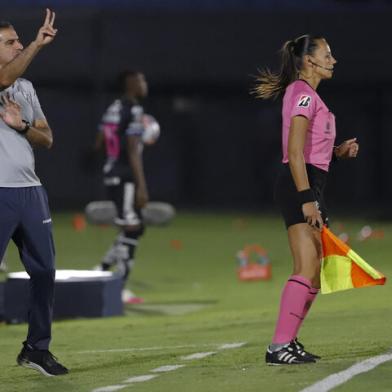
(194, 303)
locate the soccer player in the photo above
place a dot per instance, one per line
(24, 210)
(121, 130)
(308, 135)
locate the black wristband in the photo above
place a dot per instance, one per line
(25, 129)
(306, 196)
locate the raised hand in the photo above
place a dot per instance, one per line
(348, 149)
(47, 32)
(11, 113)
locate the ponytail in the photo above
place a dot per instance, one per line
(272, 85)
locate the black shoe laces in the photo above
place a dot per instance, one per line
(51, 359)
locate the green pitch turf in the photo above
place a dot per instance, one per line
(193, 303)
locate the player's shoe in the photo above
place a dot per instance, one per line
(103, 267)
(130, 298)
(42, 360)
(287, 355)
(301, 348)
(98, 268)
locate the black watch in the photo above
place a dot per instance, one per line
(24, 130)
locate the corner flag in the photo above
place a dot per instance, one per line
(342, 268)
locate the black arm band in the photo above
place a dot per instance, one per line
(306, 196)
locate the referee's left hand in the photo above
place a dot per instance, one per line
(348, 149)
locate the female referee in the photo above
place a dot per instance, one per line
(308, 135)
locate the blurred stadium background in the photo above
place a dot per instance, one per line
(218, 153)
(219, 147)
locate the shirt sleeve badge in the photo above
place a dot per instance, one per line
(304, 101)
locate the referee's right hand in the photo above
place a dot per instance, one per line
(312, 215)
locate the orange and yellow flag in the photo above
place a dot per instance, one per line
(342, 268)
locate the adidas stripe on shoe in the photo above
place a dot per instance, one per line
(287, 355)
(300, 348)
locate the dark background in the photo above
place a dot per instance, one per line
(219, 148)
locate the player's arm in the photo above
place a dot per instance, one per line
(297, 136)
(15, 68)
(136, 163)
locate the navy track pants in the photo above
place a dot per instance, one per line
(25, 218)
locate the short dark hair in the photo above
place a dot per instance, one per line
(5, 25)
(124, 75)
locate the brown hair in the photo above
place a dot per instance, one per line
(271, 85)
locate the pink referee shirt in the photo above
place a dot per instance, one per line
(301, 100)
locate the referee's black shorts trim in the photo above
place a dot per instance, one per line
(285, 194)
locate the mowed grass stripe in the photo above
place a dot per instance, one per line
(344, 328)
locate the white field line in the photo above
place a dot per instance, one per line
(221, 346)
(166, 368)
(147, 377)
(336, 379)
(229, 346)
(110, 388)
(161, 369)
(197, 356)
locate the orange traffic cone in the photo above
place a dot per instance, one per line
(78, 222)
